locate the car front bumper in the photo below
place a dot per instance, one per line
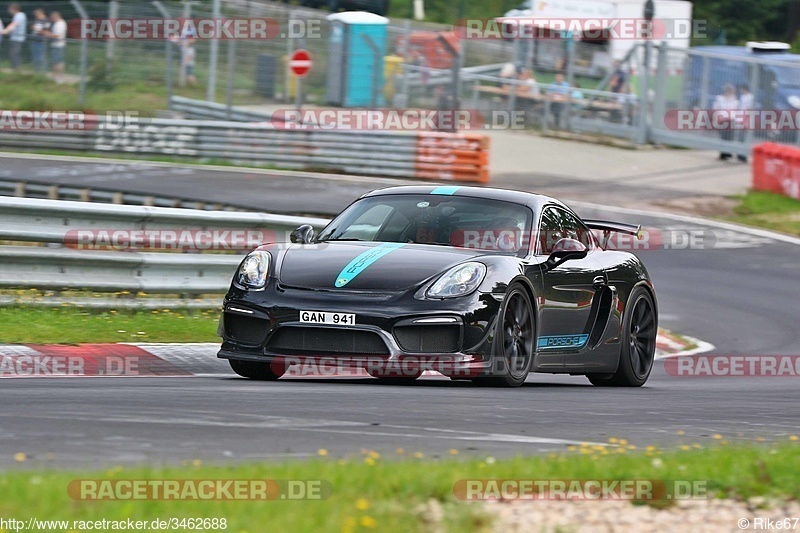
(452, 336)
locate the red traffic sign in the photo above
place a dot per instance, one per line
(300, 63)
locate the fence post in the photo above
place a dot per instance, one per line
(167, 51)
(229, 91)
(704, 80)
(84, 53)
(213, 53)
(113, 13)
(287, 70)
(644, 97)
(570, 58)
(376, 51)
(187, 14)
(403, 101)
(748, 132)
(660, 103)
(456, 72)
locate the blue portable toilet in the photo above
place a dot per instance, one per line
(358, 43)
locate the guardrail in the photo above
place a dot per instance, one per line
(59, 264)
(405, 154)
(203, 109)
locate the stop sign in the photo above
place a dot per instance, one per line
(300, 63)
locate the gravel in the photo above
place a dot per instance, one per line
(713, 515)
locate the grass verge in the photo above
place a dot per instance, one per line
(371, 493)
(768, 210)
(72, 325)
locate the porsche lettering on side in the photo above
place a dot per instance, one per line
(486, 284)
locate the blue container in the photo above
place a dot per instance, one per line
(358, 43)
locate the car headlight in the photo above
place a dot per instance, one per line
(458, 281)
(254, 270)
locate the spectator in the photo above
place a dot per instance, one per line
(726, 102)
(39, 28)
(618, 79)
(188, 56)
(18, 31)
(58, 35)
(558, 92)
(746, 102)
(529, 85)
(508, 72)
(577, 97)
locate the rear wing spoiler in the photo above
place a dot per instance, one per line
(617, 227)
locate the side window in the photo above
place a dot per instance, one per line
(559, 224)
(550, 231)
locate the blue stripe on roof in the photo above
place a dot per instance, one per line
(451, 189)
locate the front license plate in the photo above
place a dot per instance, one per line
(322, 317)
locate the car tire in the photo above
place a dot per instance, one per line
(514, 341)
(254, 370)
(637, 343)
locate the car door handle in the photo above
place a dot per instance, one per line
(599, 282)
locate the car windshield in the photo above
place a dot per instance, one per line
(456, 221)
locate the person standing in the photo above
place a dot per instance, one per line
(529, 85)
(18, 33)
(618, 79)
(557, 93)
(723, 105)
(39, 27)
(58, 36)
(188, 56)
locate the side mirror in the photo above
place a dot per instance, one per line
(566, 249)
(302, 235)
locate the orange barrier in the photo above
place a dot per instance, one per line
(776, 168)
(452, 156)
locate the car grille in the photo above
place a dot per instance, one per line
(245, 329)
(326, 341)
(428, 339)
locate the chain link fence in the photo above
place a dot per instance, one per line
(421, 72)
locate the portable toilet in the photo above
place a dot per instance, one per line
(355, 59)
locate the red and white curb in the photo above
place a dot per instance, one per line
(186, 359)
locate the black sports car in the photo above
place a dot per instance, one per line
(475, 283)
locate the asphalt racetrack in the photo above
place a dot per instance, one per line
(738, 291)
